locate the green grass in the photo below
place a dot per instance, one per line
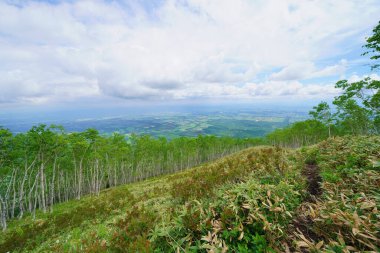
(250, 201)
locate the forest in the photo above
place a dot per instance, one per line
(47, 165)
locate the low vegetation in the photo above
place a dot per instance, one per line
(257, 200)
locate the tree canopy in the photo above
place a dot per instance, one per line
(373, 46)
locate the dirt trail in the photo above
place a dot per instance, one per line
(311, 172)
(303, 223)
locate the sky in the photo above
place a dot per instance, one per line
(103, 52)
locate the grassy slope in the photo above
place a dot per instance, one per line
(253, 201)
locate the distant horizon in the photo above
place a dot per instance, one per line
(74, 119)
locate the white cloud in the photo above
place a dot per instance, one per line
(263, 90)
(356, 78)
(180, 49)
(308, 70)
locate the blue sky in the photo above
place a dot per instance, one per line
(67, 52)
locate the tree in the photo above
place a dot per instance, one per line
(5, 147)
(367, 93)
(373, 46)
(80, 144)
(42, 139)
(5, 159)
(322, 113)
(352, 118)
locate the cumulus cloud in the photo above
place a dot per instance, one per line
(175, 49)
(356, 78)
(262, 90)
(308, 70)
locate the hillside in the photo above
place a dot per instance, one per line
(324, 197)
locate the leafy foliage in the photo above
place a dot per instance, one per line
(373, 45)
